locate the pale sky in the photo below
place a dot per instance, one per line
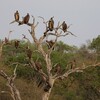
(84, 15)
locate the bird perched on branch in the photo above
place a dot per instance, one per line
(51, 24)
(57, 69)
(16, 16)
(38, 65)
(43, 82)
(64, 26)
(25, 19)
(50, 44)
(72, 64)
(47, 87)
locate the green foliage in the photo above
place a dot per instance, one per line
(25, 72)
(61, 58)
(95, 44)
(78, 86)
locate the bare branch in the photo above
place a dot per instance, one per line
(58, 26)
(32, 32)
(36, 25)
(24, 37)
(14, 74)
(3, 74)
(69, 26)
(79, 69)
(33, 19)
(17, 63)
(62, 35)
(14, 92)
(43, 20)
(9, 34)
(49, 51)
(71, 33)
(32, 64)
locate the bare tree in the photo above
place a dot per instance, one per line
(14, 92)
(48, 78)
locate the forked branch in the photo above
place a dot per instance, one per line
(14, 92)
(78, 69)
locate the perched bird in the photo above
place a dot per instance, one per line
(64, 26)
(16, 16)
(47, 87)
(44, 83)
(38, 65)
(51, 24)
(25, 19)
(73, 64)
(17, 43)
(50, 44)
(29, 53)
(42, 80)
(57, 69)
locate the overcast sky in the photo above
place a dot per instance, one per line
(84, 15)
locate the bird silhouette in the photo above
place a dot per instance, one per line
(51, 24)
(38, 65)
(25, 19)
(29, 53)
(17, 43)
(16, 16)
(64, 26)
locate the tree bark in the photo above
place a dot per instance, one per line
(46, 95)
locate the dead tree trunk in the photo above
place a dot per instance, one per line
(48, 77)
(46, 95)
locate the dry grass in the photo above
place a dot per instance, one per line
(28, 89)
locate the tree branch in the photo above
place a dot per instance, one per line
(32, 64)
(62, 35)
(78, 69)
(14, 92)
(3, 74)
(24, 37)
